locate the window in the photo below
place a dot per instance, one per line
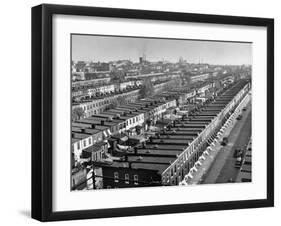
(116, 177)
(127, 178)
(136, 179)
(85, 143)
(90, 141)
(78, 145)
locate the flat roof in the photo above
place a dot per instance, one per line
(88, 120)
(80, 135)
(170, 141)
(76, 129)
(151, 166)
(92, 131)
(151, 159)
(157, 151)
(177, 137)
(81, 125)
(103, 115)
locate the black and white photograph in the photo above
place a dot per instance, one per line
(149, 111)
(145, 112)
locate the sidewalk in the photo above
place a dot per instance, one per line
(197, 173)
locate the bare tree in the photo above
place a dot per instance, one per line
(146, 89)
(185, 77)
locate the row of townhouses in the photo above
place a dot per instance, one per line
(98, 128)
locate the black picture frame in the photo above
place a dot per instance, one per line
(42, 111)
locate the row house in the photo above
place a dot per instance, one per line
(128, 117)
(92, 82)
(98, 105)
(201, 77)
(133, 119)
(219, 111)
(96, 152)
(125, 85)
(79, 143)
(93, 88)
(202, 90)
(129, 114)
(111, 120)
(157, 109)
(98, 132)
(111, 127)
(187, 97)
(101, 89)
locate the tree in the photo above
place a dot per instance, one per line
(117, 76)
(77, 113)
(185, 77)
(147, 88)
(116, 102)
(175, 83)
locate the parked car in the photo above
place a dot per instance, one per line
(230, 180)
(239, 117)
(224, 141)
(238, 162)
(238, 153)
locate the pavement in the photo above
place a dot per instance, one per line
(218, 157)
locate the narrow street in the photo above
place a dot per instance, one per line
(223, 168)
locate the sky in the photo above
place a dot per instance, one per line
(110, 48)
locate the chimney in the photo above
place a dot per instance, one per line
(93, 126)
(83, 130)
(102, 122)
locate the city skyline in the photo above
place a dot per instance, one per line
(112, 48)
